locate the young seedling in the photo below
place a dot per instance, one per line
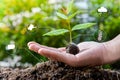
(66, 15)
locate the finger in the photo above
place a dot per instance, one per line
(62, 49)
(35, 46)
(32, 42)
(32, 46)
(56, 55)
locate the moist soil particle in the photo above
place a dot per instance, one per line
(72, 48)
(53, 70)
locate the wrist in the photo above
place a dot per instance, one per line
(112, 50)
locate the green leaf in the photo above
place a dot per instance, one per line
(74, 14)
(56, 32)
(62, 15)
(82, 26)
(69, 7)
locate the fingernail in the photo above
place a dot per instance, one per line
(31, 42)
(40, 51)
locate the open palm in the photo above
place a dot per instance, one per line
(91, 53)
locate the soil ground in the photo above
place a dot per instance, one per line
(53, 70)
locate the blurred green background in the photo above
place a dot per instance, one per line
(17, 15)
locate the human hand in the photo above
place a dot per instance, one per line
(91, 54)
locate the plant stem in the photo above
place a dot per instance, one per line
(70, 31)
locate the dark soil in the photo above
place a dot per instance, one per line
(52, 70)
(72, 48)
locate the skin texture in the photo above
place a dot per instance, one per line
(91, 53)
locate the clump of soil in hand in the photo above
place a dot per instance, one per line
(72, 48)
